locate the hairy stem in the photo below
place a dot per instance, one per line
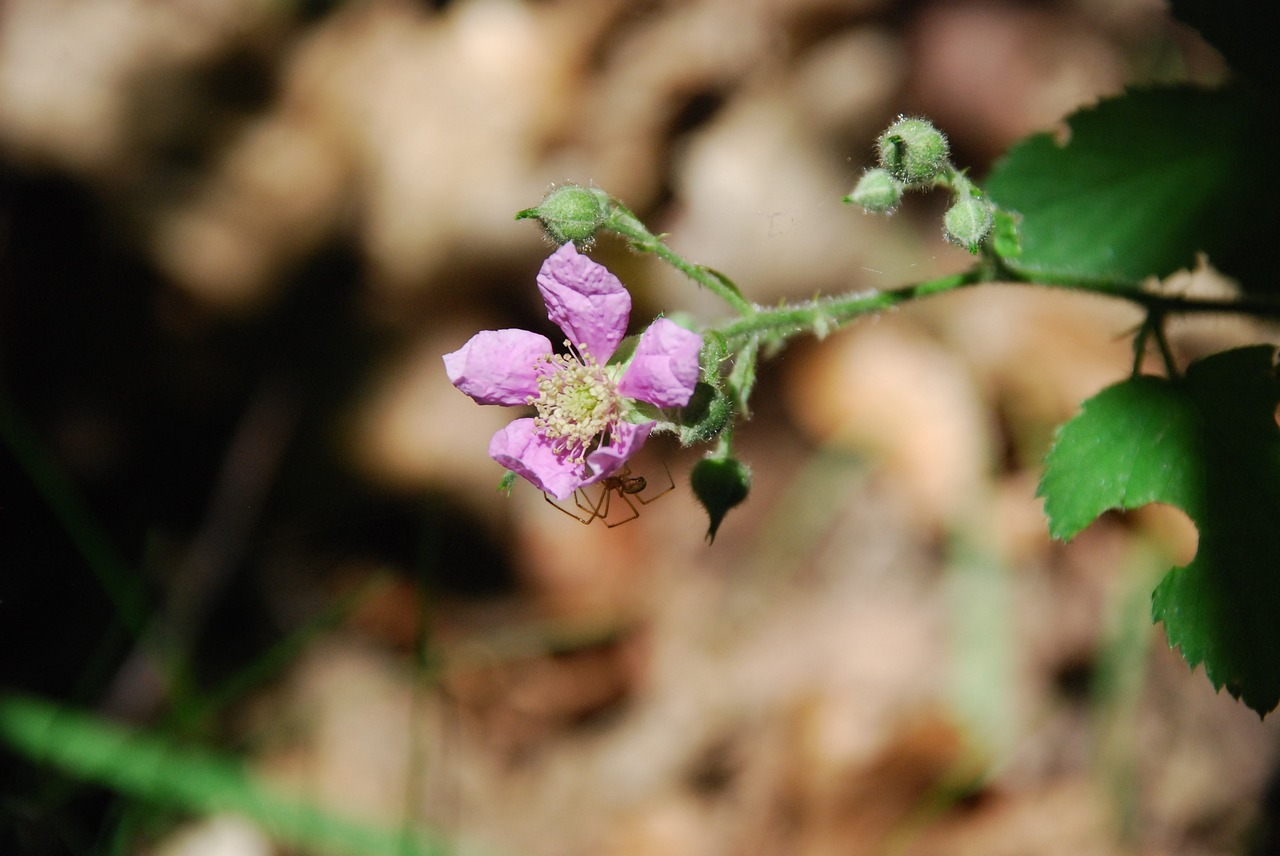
(825, 314)
(626, 224)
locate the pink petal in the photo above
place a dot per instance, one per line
(586, 301)
(522, 449)
(498, 366)
(664, 369)
(625, 440)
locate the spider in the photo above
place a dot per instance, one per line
(626, 486)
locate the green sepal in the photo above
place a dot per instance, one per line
(705, 416)
(724, 280)
(1004, 235)
(626, 349)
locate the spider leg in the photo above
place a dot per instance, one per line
(583, 502)
(558, 507)
(635, 512)
(596, 510)
(602, 507)
(671, 485)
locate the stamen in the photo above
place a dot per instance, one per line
(577, 401)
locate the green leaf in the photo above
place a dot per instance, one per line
(165, 773)
(1208, 444)
(1144, 183)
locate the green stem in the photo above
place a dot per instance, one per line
(1152, 329)
(628, 225)
(1154, 302)
(825, 314)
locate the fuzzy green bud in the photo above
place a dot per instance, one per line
(913, 151)
(968, 222)
(877, 192)
(719, 484)
(571, 212)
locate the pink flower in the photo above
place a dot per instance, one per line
(587, 424)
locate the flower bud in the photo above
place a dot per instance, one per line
(913, 151)
(571, 212)
(877, 191)
(967, 222)
(719, 484)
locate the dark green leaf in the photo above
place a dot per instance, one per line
(1144, 183)
(1207, 444)
(1250, 50)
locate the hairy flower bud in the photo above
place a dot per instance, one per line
(968, 222)
(571, 212)
(719, 484)
(913, 151)
(877, 191)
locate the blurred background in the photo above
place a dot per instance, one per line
(242, 506)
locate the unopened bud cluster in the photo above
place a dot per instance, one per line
(914, 155)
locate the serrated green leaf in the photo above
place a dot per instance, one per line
(1144, 183)
(1208, 444)
(1117, 454)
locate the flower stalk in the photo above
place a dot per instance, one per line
(626, 224)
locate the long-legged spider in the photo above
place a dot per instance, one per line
(623, 484)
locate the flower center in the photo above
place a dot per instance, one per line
(577, 403)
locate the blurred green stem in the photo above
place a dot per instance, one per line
(118, 578)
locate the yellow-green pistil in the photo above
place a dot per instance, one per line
(577, 402)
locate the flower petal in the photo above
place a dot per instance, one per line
(498, 366)
(664, 369)
(525, 451)
(625, 440)
(586, 301)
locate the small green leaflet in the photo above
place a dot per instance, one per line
(1207, 443)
